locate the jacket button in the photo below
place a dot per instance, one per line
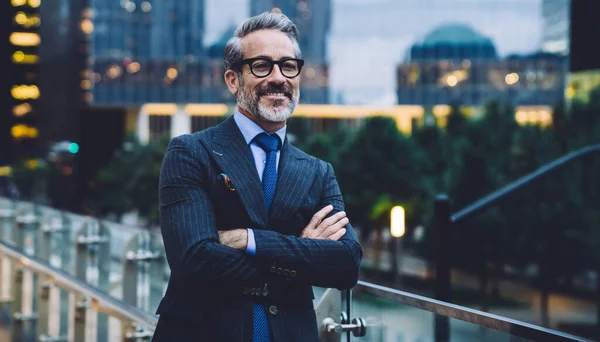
(286, 272)
(273, 310)
(293, 273)
(273, 269)
(265, 292)
(279, 270)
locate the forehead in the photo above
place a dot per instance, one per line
(271, 43)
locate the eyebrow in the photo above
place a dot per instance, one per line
(270, 58)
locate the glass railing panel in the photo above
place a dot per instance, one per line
(392, 315)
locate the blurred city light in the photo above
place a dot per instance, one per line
(397, 222)
(22, 109)
(23, 92)
(134, 67)
(73, 147)
(22, 131)
(19, 57)
(512, 78)
(24, 39)
(87, 26)
(146, 6)
(17, 3)
(172, 73)
(34, 3)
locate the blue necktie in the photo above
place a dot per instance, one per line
(270, 144)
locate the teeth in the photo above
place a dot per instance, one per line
(275, 94)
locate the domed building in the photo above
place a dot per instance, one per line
(456, 64)
(453, 41)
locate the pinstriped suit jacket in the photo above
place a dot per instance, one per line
(212, 287)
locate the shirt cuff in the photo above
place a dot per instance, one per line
(251, 247)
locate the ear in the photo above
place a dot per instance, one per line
(232, 81)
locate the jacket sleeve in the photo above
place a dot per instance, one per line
(322, 263)
(188, 224)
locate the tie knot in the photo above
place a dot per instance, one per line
(268, 143)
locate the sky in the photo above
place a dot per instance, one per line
(369, 38)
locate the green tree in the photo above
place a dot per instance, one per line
(130, 181)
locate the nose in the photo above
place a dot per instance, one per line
(276, 76)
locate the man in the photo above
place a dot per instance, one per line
(250, 223)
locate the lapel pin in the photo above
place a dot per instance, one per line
(227, 181)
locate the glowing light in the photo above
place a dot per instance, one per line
(27, 21)
(134, 67)
(172, 73)
(86, 84)
(73, 147)
(113, 71)
(511, 78)
(24, 39)
(397, 222)
(34, 3)
(87, 26)
(130, 7)
(17, 3)
(23, 92)
(23, 131)
(451, 81)
(521, 117)
(22, 109)
(5, 170)
(19, 57)
(146, 6)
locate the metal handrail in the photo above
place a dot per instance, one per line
(542, 171)
(503, 324)
(100, 301)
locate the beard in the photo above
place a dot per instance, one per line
(277, 110)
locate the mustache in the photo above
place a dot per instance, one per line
(274, 88)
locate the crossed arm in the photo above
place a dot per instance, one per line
(326, 254)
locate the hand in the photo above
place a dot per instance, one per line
(236, 238)
(331, 228)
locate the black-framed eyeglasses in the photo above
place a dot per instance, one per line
(262, 67)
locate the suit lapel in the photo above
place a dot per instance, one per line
(295, 176)
(230, 151)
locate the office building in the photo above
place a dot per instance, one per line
(21, 74)
(142, 51)
(456, 64)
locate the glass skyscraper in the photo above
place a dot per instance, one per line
(146, 51)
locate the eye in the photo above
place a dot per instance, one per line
(261, 65)
(290, 66)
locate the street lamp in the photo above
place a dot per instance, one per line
(397, 221)
(397, 229)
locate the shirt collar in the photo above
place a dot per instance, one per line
(250, 129)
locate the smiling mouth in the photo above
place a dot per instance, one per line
(274, 95)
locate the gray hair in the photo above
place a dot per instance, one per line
(264, 21)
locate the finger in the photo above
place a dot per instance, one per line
(337, 235)
(334, 228)
(319, 216)
(330, 221)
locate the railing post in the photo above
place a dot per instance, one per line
(81, 310)
(442, 236)
(22, 309)
(138, 261)
(92, 252)
(49, 306)
(7, 225)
